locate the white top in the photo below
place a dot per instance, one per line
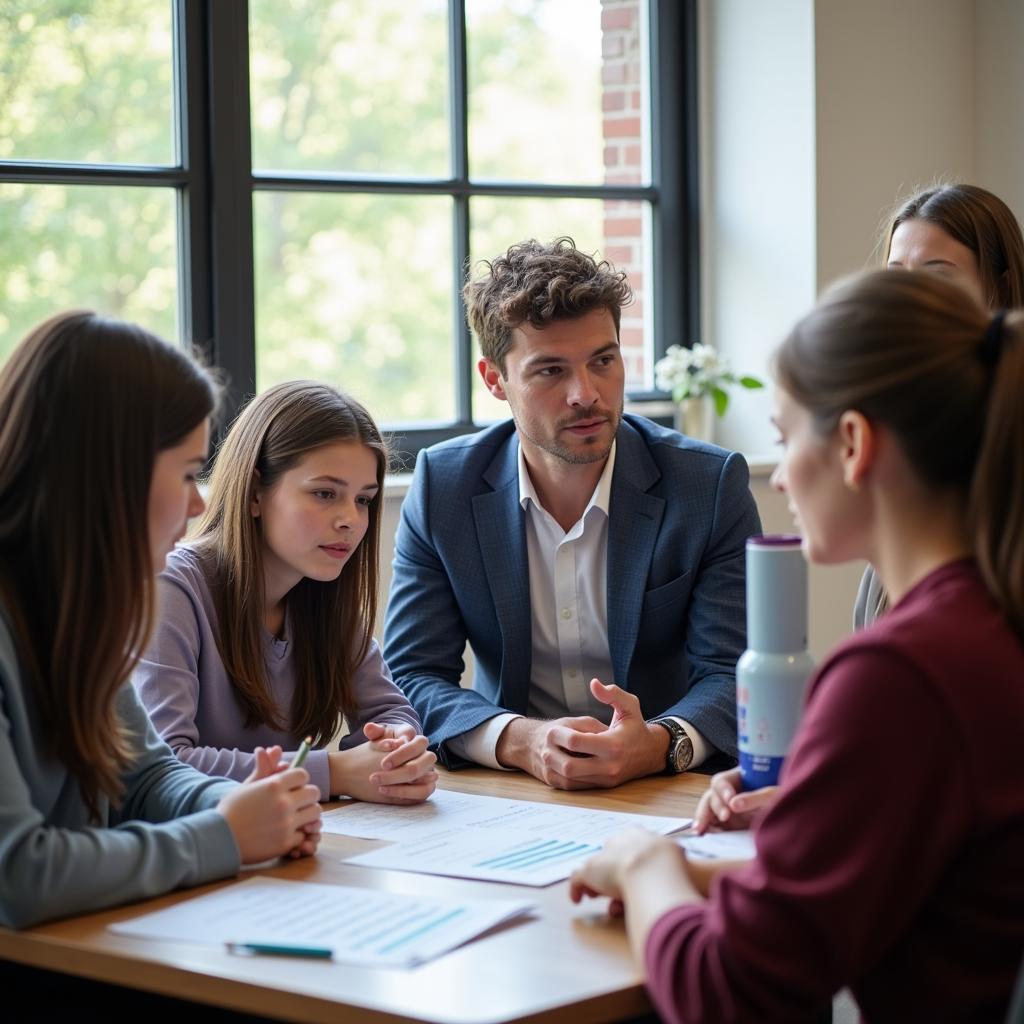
(569, 618)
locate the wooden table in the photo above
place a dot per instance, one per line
(567, 963)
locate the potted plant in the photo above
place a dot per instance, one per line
(697, 379)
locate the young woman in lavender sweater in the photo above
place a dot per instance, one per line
(266, 615)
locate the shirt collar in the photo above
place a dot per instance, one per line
(600, 499)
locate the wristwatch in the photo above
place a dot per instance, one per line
(680, 746)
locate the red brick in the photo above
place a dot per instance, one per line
(614, 73)
(621, 17)
(633, 156)
(635, 99)
(613, 99)
(622, 227)
(631, 337)
(611, 156)
(622, 127)
(612, 46)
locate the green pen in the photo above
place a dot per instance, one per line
(303, 750)
(280, 949)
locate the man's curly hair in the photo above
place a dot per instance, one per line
(539, 284)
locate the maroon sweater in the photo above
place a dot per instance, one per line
(893, 860)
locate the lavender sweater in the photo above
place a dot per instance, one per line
(190, 699)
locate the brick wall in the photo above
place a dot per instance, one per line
(622, 106)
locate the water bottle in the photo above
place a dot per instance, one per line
(772, 674)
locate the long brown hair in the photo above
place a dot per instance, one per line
(983, 223)
(331, 623)
(916, 352)
(86, 404)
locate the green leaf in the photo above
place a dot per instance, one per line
(751, 382)
(721, 400)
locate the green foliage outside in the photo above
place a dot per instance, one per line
(354, 288)
(91, 83)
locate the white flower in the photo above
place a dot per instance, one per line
(699, 370)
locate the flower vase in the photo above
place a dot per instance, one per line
(695, 417)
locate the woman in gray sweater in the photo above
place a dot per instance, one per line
(97, 479)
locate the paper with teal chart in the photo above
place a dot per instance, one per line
(361, 926)
(491, 838)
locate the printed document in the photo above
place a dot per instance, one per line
(491, 838)
(361, 926)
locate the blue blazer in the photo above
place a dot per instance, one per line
(679, 516)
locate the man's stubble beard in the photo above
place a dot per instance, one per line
(566, 454)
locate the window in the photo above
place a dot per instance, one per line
(306, 199)
(86, 118)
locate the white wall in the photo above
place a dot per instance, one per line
(758, 234)
(999, 99)
(895, 111)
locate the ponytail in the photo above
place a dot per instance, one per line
(996, 500)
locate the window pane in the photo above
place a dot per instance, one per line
(358, 86)
(104, 248)
(356, 290)
(614, 230)
(87, 82)
(557, 90)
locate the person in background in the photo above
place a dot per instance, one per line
(965, 233)
(103, 428)
(593, 560)
(265, 630)
(898, 406)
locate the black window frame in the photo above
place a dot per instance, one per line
(215, 183)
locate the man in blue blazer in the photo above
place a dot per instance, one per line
(594, 561)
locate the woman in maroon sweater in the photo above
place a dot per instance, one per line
(892, 859)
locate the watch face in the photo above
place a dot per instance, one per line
(682, 752)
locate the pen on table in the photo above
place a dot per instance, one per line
(303, 750)
(280, 949)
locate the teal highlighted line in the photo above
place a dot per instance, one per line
(538, 854)
(503, 859)
(423, 929)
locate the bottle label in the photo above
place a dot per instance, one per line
(759, 770)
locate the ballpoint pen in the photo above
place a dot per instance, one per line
(280, 949)
(303, 750)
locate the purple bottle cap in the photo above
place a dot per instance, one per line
(775, 540)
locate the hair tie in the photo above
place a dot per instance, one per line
(991, 346)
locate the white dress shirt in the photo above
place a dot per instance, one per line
(569, 619)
